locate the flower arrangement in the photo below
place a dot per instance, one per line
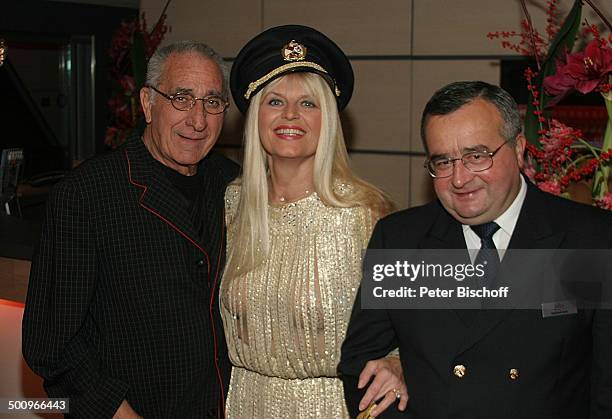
(559, 156)
(131, 47)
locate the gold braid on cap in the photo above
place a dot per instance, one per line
(279, 70)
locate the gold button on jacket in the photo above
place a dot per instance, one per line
(459, 370)
(514, 374)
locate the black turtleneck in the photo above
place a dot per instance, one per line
(192, 189)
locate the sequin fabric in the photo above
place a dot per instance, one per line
(285, 321)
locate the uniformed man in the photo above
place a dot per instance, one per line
(487, 363)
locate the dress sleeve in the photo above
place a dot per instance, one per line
(56, 339)
(601, 369)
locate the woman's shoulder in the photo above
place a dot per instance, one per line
(343, 189)
(232, 197)
(347, 191)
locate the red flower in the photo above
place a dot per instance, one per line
(582, 71)
(591, 67)
(109, 138)
(124, 103)
(559, 84)
(128, 84)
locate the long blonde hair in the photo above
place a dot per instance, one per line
(249, 225)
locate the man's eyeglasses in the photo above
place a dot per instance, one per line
(213, 104)
(474, 161)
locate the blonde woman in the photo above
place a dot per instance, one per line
(298, 220)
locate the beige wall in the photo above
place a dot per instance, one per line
(401, 51)
(14, 275)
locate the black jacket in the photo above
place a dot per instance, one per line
(564, 362)
(122, 299)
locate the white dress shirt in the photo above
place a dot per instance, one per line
(506, 221)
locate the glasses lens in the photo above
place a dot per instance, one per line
(214, 104)
(183, 102)
(477, 161)
(440, 167)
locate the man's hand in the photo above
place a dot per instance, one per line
(125, 411)
(388, 383)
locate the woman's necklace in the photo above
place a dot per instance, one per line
(284, 199)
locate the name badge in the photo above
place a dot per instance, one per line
(559, 308)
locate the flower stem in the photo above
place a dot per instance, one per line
(601, 15)
(594, 150)
(531, 34)
(159, 21)
(574, 163)
(600, 182)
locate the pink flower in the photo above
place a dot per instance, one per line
(583, 71)
(557, 142)
(605, 201)
(529, 168)
(551, 186)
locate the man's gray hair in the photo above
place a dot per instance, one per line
(453, 96)
(156, 64)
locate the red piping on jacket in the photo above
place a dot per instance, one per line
(158, 215)
(210, 307)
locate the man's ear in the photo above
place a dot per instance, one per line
(519, 149)
(145, 102)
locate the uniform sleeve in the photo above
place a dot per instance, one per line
(370, 336)
(601, 369)
(56, 340)
(601, 386)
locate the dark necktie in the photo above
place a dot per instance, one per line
(487, 255)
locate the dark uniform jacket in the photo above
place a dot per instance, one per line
(563, 364)
(122, 300)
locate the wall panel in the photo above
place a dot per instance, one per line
(421, 185)
(389, 172)
(233, 126)
(377, 118)
(450, 27)
(430, 75)
(359, 26)
(224, 25)
(14, 275)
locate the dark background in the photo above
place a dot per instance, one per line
(41, 27)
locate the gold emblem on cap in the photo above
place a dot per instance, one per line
(294, 51)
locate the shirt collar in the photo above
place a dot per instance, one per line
(507, 221)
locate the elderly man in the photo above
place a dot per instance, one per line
(489, 363)
(122, 315)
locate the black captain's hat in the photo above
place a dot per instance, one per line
(289, 49)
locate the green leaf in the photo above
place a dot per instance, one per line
(563, 41)
(139, 60)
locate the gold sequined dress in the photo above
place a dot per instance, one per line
(285, 321)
